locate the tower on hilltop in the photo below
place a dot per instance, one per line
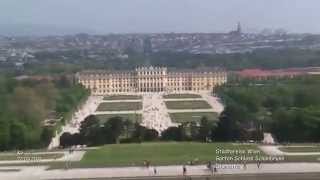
(239, 30)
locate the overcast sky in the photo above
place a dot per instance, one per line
(123, 16)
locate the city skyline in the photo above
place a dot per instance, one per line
(142, 16)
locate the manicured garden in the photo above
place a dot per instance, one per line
(181, 96)
(120, 106)
(122, 97)
(199, 104)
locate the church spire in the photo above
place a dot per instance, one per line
(239, 30)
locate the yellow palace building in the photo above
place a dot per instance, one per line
(151, 79)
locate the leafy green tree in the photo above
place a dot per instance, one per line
(18, 134)
(228, 128)
(128, 126)
(46, 135)
(138, 133)
(151, 135)
(29, 107)
(115, 126)
(66, 140)
(174, 134)
(194, 130)
(5, 137)
(205, 129)
(91, 131)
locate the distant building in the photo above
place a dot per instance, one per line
(277, 73)
(238, 31)
(151, 79)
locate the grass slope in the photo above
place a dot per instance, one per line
(157, 153)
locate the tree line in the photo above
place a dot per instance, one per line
(25, 104)
(118, 130)
(288, 108)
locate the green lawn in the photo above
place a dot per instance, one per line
(122, 97)
(132, 117)
(192, 116)
(157, 153)
(120, 106)
(300, 149)
(187, 104)
(178, 96)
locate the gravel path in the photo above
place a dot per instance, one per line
(74, 156)
(87, 109)
(214, 102)
(155, 114)
(275, 151)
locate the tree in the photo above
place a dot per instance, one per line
(48, 93)
(138, 133)
(29, 107)
(25, 104)
(64, 82)
(205, 129)
(46, 135)
(91, 131)
(115, 126)
(127, 127)
(304, 99)
(5, 137)
(194, 130)
(89, 122)
(66, 140)
(228, 127)
(18, 134)
(151, 135)
(174, 133)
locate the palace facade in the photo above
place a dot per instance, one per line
(151, 79)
